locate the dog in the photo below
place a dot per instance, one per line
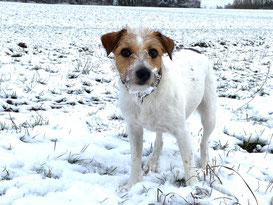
(158, 91)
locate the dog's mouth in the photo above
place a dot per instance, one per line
(142, 82)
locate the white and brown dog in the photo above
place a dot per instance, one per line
(159, 94)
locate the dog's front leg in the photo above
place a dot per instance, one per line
(186, 151)
(136, 143)
(153, 160)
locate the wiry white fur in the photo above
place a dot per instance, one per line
(187, 84)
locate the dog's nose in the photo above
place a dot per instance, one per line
(143, 74)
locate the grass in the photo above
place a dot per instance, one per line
(201, 44)
(46, 172)
(16, 55)
(14, 95)
(28, 89)
(85, 68)
(5, 176)
(42, 81)
(3, 126)
(9, 147)
(249, 144)
(165, 199)
(51, 70)
(252, 145)
(24, 139)
(10, 109)
(162, 178)
(149, 151)
(37, 120)
(14, 125)
(116, 117)
(256, 119)
(72, 75)
(88, 90)
(74, 158)
(86, 83)
(77, 158)
(123, 135)
(219, 146)
(180, 182)
(110, 170)
(6, 95)
(36, 68)
(260, 89)
(39, 108)
(218, 64)
(97, 167)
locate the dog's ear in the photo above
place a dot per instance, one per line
(167, 43)
(110, 40)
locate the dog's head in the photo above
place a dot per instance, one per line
(138, 55)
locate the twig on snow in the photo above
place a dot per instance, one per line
(241, 178)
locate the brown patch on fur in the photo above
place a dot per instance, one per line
(127, 41)
(116, 41)
(110, 40)
(166, 42)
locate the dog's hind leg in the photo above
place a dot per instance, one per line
(207, 111)
(152, 163)
(185, 147)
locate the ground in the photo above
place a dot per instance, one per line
(63, 139)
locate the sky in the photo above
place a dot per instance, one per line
(215, 3)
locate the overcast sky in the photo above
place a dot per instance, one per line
(214, 3)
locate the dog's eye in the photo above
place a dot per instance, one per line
(125, 52)
(153, 53)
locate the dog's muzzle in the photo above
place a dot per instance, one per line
(144, 83)
(143, 75)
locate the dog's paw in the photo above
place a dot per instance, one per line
(151, 165)
(204, 161)
(204, 165)
(128, 185)
(192, 181)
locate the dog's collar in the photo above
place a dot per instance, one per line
(142, 96)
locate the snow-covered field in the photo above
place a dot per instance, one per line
(63, 139)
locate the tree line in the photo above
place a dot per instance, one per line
(157, 3)
(251, 4)
(237, 4)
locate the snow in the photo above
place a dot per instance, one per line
(63, 139)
